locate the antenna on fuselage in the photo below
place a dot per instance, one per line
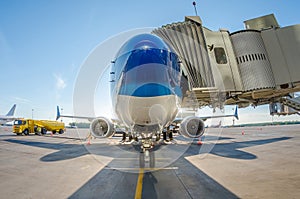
(194, 4)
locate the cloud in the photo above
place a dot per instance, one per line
(60, 83)
(22, 100)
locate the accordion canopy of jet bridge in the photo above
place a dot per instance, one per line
(187, 39)
(258, 65)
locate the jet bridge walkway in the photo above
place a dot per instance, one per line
(255, 66)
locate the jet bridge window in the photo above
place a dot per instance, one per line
(220, 55)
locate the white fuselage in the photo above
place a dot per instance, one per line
(158, 110)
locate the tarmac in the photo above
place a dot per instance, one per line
(256, 162)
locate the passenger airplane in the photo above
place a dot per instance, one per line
(9, 117)
(147, 93)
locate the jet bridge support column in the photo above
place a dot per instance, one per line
(293, 103)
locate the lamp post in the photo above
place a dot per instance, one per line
(233, 120)
(194, 4)
(61, 110)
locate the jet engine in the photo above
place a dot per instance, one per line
(192, 127)
(102, 128)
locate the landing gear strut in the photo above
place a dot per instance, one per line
(147, 154)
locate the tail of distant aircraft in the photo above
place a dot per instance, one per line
(236, 113)
(11, 112)
(57, 113)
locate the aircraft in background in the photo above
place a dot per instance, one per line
(9, 117)
(147, 90)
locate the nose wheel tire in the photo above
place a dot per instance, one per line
(142, 160)
(147, 156)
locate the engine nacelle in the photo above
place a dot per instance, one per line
(102, 128)
(192, 127)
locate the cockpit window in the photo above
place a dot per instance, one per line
(143, 41)
(147, 56)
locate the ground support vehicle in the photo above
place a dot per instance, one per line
(39, 127)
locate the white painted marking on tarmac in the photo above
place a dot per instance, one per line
(85, 167)
(147, 169)
(138, 158)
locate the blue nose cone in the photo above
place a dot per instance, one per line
(149, 67)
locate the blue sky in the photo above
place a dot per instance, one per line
(44, 43)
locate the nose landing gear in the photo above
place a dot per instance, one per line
(147, 154)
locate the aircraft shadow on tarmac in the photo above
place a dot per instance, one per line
(232, 149)
(70, 151)
(65, 151)
(187, 181)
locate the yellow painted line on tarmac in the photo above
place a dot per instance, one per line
(139, 185)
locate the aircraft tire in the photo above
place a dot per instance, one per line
(43, 131)
(152, 159)
(26, 132)
(157, 137)
(142, 160)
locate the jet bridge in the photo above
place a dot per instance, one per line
(286, 106)
(188, 41)
(258, 65)
(292, 102)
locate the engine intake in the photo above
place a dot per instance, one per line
(102, 128)
(192, 127)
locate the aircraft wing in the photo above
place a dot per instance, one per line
(58, 115)
(7, 119)
(219, 116)
(204, 118)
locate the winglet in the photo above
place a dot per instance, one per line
(11, 112)
(236, 113)
(57, 113)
